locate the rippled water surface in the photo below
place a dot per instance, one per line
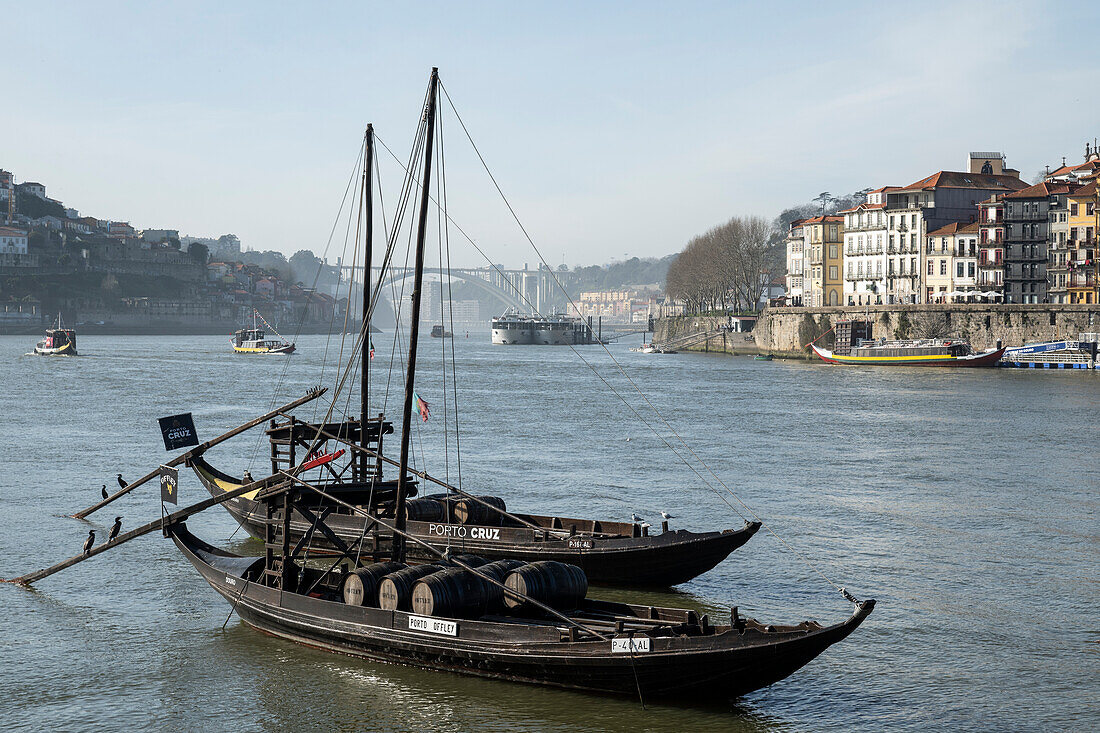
(966, 502)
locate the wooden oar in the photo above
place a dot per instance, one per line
(199, 449)
(156, 524)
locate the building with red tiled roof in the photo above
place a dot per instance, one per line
(951, 263)
(926, 205)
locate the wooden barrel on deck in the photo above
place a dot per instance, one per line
(425, 509)
(498, 569)
(468, 511)
(559, 585)
(361, 585)
(395, 590)
(474, 561)
(450, 593)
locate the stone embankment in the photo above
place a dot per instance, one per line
(786, 331)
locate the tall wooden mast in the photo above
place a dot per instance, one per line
(368, 201)
(414, 325)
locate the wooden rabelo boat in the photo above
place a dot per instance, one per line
(619, 553)
(932, 352)
(508, 619)
(611, 552)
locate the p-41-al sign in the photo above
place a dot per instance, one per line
(624, 645)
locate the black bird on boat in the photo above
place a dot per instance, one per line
(89, 542)
(121, 483)
(115, 528)
(103, 491)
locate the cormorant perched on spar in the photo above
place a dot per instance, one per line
(103, 491)
(89, 542)
(121, 483)
(115, 528)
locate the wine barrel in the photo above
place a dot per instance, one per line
(426, 509)
(395, 590)
(450, 593)
(468, 511)
(557, 584)
(498, 569)
(361, 585)
(474, 561)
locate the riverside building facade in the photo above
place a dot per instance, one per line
(865, 250)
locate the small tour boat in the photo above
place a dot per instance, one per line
(59, 341)
(254, 340)
(438, 332)
(927, 352)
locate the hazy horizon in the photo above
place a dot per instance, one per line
(614, 132)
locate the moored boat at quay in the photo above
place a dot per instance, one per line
(929, 352)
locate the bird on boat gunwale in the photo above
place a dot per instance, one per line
(103, 491)
(115, 529)
(121, 483)
(89, 542)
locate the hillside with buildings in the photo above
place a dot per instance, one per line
(107, 275)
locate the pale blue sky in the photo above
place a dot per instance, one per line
(615, 128)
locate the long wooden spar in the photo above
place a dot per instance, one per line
(427, 477)
(442, 554)
(199, 449)
(273, 484)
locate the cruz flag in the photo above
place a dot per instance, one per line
(422, 406)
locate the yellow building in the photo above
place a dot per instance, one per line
(1083, 230)
(824, 235)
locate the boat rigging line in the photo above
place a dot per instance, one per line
(619, 366)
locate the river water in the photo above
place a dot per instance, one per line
(966, 502)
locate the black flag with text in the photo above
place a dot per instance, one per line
(169, 485)
(178, 431)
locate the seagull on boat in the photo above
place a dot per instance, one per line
(667, 516)
(635, 518)
(89, 542)
(115, 528)
(121, 482)
(104, 491)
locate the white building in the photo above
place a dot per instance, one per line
(36, 189)
(798, 273)
(13, 241)
(865, 250)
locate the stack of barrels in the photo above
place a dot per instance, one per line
(456, 508)
(455, 592)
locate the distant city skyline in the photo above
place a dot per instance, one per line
(614, 132)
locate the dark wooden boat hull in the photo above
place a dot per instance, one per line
(721, 665)
(662, 559)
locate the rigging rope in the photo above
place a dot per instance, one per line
(622, 371)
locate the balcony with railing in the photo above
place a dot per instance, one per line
(1082, 279)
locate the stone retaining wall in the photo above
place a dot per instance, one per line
(786, 331)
